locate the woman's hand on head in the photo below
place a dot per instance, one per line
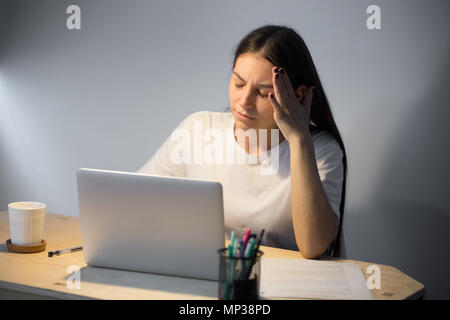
(291, 116)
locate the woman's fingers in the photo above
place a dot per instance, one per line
(287, 84)
(279, 90)
(275, 104)
(284, 93)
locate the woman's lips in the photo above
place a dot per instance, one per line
(244, 117)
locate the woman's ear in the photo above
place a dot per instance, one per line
(301, 92)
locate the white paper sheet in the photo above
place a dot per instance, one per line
(312, 279)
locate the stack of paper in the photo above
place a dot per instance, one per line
(312, 279)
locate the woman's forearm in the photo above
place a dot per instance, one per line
(315, 223)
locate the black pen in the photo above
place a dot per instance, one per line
(62, 251)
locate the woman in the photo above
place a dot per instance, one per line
(274, 85)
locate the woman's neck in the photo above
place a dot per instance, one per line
(258, 149)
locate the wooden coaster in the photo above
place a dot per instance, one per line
(26, 249)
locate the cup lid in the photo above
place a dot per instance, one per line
(27, 205)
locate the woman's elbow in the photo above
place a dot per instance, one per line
(312, 254)
(315, 249)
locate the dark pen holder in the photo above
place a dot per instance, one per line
(239, 276)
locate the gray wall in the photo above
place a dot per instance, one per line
(107, 96)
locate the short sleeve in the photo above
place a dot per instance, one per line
(331, 168)
(166, 161)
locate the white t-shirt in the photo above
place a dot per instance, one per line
(256, 189)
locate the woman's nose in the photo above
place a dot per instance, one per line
(247, 99)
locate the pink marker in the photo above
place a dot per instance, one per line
(246, 235)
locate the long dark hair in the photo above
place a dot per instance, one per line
(285, 48)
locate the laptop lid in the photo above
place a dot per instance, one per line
(151, 223)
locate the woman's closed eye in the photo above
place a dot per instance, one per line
(261, 94)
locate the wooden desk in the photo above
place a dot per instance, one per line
(36, 276)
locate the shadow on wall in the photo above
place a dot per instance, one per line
(413, 239)
(408, 222)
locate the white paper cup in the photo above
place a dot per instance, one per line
(26, 222)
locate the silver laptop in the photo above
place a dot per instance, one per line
(151, 223)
